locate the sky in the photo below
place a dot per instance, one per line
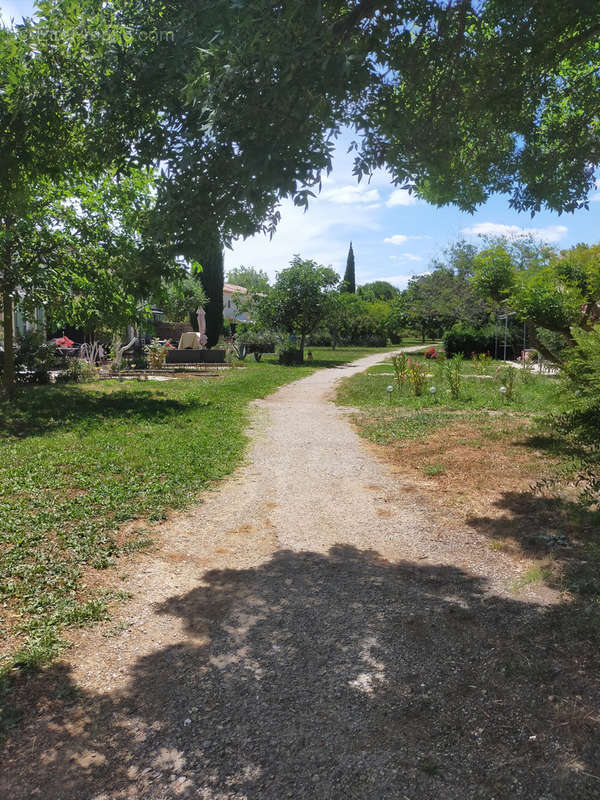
(394, 235)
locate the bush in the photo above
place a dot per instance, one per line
(289, 354)
(417, 376)
(156, 353)
(34, 359)
(253, 341)
(465, 340)
(453, 368)
(77, 371)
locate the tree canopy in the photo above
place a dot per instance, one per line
(255, 280)
(299, 299)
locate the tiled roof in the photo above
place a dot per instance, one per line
(231, 288)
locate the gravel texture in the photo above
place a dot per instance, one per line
(311, 630)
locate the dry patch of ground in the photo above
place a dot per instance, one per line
(485, 475)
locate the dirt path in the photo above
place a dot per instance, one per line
(312, 631)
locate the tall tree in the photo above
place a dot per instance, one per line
(212, 279)
(349, 282)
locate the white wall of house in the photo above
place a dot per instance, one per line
(230, 309)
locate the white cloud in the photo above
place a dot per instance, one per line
(595, 198)
(552, 233)
(401, 197)
(411, 257)
(400, 238)
(352, 195)
(322, 233)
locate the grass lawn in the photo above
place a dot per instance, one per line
(79, 461)
(400, 414)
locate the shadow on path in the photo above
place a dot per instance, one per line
(330, 676)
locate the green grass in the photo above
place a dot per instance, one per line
(79, 461)
(369, 389)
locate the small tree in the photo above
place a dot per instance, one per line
(349, 282)
(299, 300)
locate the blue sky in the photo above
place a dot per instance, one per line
(394, 235)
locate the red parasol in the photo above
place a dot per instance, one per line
(64, 341)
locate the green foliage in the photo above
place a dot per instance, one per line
(255, 280)
(400, 364)
(180, 299)
(551, 292)
(507, 377)
(540, 395)
(453, 374)
(156, 353)
(417, 377)
(349, 281)
(210, 257)
(77, 371)
(465, 340)
(34, 358)
(299, 299)
(434, 302)
(494, 274)
(377, 290)
(256, 341)
(482, 363)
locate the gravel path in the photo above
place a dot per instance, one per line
(312, 631)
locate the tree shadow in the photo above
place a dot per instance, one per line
(546, 525)
(329, 676)
(43, 409)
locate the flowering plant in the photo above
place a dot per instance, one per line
(156, 354)
(417, 377)
(453, 371)
(482, 362)
(400, 364)
(431, 353)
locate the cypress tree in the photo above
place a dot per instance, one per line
(212, 280)
(349, 283)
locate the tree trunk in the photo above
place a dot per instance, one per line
(8, 374)
(301, 351)
(545, 352)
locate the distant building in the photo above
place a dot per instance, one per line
(230, 309)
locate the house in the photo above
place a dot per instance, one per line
(23, 325)
(230, 308)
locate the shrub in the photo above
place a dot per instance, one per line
(506, 376)
(466, 340)
(257, 342)
(482, 362)
(77, 371)
(417, 377)
(156, 354)
(431, 353)
(453, 370)
(34, 359)
(400, 364)
(289, 355)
